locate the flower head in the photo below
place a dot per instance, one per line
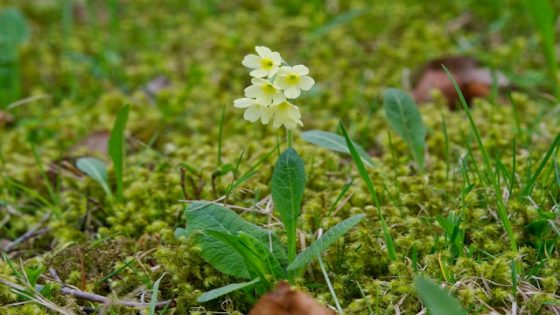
(271, 85)
(253, 110)
(286, 114)
(265, 92)
(294, 79)
(265, 64)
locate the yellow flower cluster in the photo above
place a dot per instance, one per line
(273, 84)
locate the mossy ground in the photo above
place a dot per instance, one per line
(87, 60)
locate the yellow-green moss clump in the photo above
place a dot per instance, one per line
(83, 72)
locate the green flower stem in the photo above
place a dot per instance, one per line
(290, 138)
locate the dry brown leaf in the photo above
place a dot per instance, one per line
(93, 144)
(6, 118)
(285, 301)
(473, 79)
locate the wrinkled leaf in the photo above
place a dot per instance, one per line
(95, 169)
(405, 119)
(320, 245)
(288, 182)
(436, 299)
(334, 142)
(262, 252)
(202, 217)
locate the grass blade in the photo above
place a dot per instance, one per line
(490, 177)
(117, 148)
(391, 250)
(528, 188)
(153, 300)
(543, 16)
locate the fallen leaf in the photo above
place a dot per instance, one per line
(93, 144)
(473, 79)
(6, 118)
(285, 301)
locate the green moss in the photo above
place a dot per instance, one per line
(198, 49)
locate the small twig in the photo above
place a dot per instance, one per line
(54, 275)
(31, 233)
(88, 296)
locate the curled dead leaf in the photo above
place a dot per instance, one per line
(473, 79)
(6, 118)
(285, 301)
(93, 144)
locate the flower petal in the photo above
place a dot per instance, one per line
(276, 58)
(292, 92)
(252, 113)
(258, 73)
(305, 83)
(278, 98)
(243, 102)
(251, 61)
(263, 51)
(300, 69)
(253, 91)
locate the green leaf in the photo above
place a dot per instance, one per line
(288, 182)
(203, 217)
(153, 300)
(216, 293)
(405, 119)
(436, 299)
(117, 147)
(95, 169)
(14, 32)
(543, 15)
(262, 252)
(252, 262)
(334, 142)
(324, 242)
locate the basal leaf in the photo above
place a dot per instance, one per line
(260, 250)
(216, 293)
(95, 169)
(436, 299)
(320, 245)
(334, 142)
(203, 216)
(14, 31)
(405, 119)
(252, 261)
(288, 181)
(117, 147)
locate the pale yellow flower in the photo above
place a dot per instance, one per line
(253, 110)
(264, 92)
(266, 63)
(286, 114)
(294, 79)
